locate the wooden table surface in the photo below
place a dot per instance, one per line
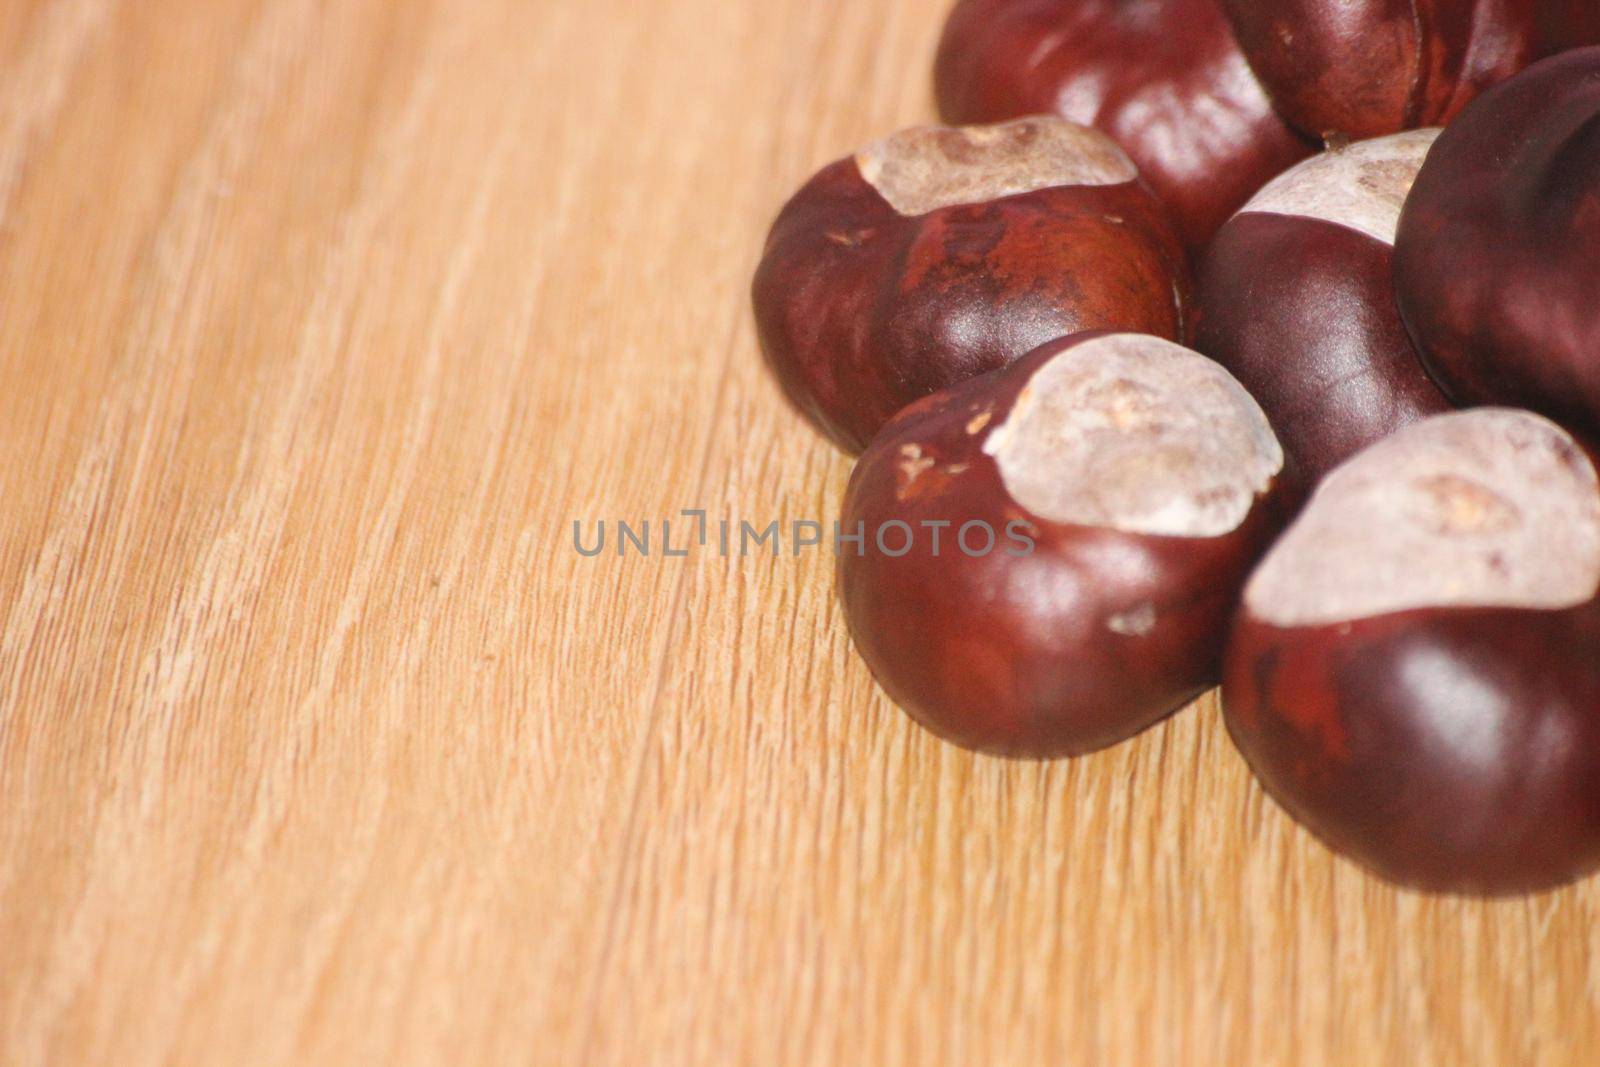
(320, 324)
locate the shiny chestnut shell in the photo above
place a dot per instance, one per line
(1441, 725)
(1497, 261)
(1296, 299)
(1164, 77)
(1098, 631)
(863, 305)
(1363, 68)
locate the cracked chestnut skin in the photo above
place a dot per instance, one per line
(1302, 311)
(1496, 267)
(862, 310)
(1091, 638)
(1370, 67)
(1164, 77)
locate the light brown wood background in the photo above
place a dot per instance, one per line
(319, 325)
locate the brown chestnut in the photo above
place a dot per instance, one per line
(1362, 68)
(938, 254)
(1164, 77)
(1497, 260)
(1297, 301)
(1415, 670)
(1048, 555)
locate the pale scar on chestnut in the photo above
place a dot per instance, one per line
(1490, 507)
(849, 238)
(1136, 434)
(1361, 185)
(932, 167)
(913, 464)
(1454, 505)
(1136, 623)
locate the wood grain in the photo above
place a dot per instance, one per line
(319, 743)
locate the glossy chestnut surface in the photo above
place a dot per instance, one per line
(1497, 272)
(939, 254)
(1413, 674)
(1126, 486)
(1296, 299)
(1363, 68)
(1164, 77)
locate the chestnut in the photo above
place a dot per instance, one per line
(1164, 77)
(1362, 68)
(1296, 299)
(1414, 673)
(938, 254)
(1047, 556)
(1497, 260)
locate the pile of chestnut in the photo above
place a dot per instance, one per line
(1311, 424)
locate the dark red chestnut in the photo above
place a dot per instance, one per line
(1297, 301)
(1497, 262)
(939, 254)
(1415, 670)
(1164, 77)
(1362, 68)
(1050, 553)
